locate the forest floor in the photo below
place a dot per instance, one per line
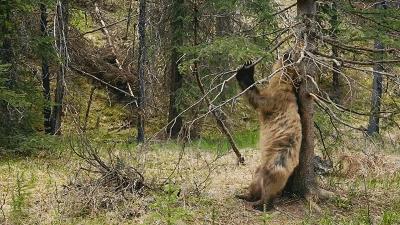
(200, 189)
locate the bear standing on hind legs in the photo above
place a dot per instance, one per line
(280, 131)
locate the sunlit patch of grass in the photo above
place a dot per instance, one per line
(219, 143)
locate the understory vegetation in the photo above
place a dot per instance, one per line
(52, 186)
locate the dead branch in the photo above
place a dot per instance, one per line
(102, 82)
(330, 112)
(114, 172)
(220, 123)
(221, 84)
(338, 44)
(365, 63)
(102, 27)
(107, 34)
(285, 9)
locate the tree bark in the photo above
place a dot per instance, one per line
(6, 50)
(223, 23)
(377, 85)
(223, 28)
(303, 180)
(45, 73)
(177, 16)
(377, 89)
(336, 85)
(62, 48)
(141, 71)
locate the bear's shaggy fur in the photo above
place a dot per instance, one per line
(280, 132)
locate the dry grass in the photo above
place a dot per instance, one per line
(201, 189)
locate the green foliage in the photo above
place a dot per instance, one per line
(219, 144)
(360, 26)
(41, 143)
(80, 20)
(20, 198)
(236, 50)
(11, 97)
(262, 10)
(391, 216)
(21, 98)
(167, 208)
(266, 218)
(20, 106)
(43, 48)
(222, 5)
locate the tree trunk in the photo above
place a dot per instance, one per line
(177, 16)
(45, 73)
(6, 50)
(223, 28)
(303, 180)
(223, 24)
(336, 86)
(306, 8)
(196, 127)
(61, 39)
(377, 86)
(141, 67)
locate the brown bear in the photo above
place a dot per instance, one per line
(280, 131)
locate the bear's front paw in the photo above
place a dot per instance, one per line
(245, 75)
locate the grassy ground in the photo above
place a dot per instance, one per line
(198, 188)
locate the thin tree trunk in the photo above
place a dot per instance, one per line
(61, 27)
(223, 28)
(141, 67)
(195, 131)
(7, 51)
(128, 22)
(377, 86)
(303, 180)
(377, 89)
(45, 74)
(223, 24)
(175, 76)
(336, 86)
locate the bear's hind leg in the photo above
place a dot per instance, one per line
(273, 184)
(254, 191)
